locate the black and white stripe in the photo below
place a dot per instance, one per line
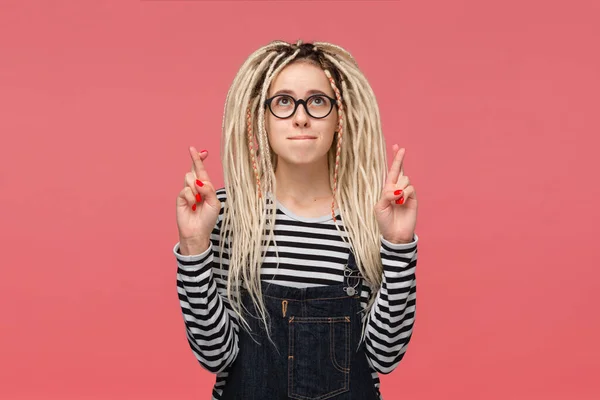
(311, 253)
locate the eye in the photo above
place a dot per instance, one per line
(283, 101)
(318, 101)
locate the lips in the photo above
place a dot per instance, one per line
(301, 137)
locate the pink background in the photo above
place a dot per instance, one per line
(496, 104)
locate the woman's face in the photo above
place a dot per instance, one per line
(300, 80)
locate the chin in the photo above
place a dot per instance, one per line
(306, 160)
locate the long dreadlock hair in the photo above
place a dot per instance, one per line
(357, 166)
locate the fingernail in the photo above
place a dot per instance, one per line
(198, 198)
(194, 207)
(199, 183)
(397, 192)
(400, 200)
(203, 151)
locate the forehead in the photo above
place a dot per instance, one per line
(300, 78)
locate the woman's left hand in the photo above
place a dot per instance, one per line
(396, 212)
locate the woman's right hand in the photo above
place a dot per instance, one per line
(197, 206)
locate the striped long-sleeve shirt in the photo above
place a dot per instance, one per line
(212, 327)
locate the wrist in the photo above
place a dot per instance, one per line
(400, 240)
(193, 246)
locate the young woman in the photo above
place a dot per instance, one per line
(297, 278)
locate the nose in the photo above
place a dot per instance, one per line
(301, 117)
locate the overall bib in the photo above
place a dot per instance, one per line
(316, 332)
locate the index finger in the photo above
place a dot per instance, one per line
(198, 165)
(397, 168)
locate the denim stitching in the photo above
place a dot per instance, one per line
(322, 397)
(319, 320)
(290, 356)
(315, 299)
(332, 348)
(348, 359)
(325, 320)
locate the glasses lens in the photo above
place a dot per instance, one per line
(282, 106)
(319, 106)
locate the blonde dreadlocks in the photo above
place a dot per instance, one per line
(357, 164)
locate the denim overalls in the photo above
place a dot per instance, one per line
(317, 331)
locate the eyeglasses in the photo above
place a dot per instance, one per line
(284, 106)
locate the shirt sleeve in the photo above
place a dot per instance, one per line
(211, 325)
(391, 319)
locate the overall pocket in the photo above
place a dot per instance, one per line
(318, 357)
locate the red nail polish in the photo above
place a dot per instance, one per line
(199, 183)
(194, 207)
(398, 192)
(401, 200)
(198, 198)
(203, 151)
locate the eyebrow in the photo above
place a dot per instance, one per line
(287, 91)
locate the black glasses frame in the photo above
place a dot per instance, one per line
(298, 102)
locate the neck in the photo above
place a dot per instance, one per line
(303, 184)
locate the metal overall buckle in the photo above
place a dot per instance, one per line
(350, 274)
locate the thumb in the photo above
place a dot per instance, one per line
(388, 196)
